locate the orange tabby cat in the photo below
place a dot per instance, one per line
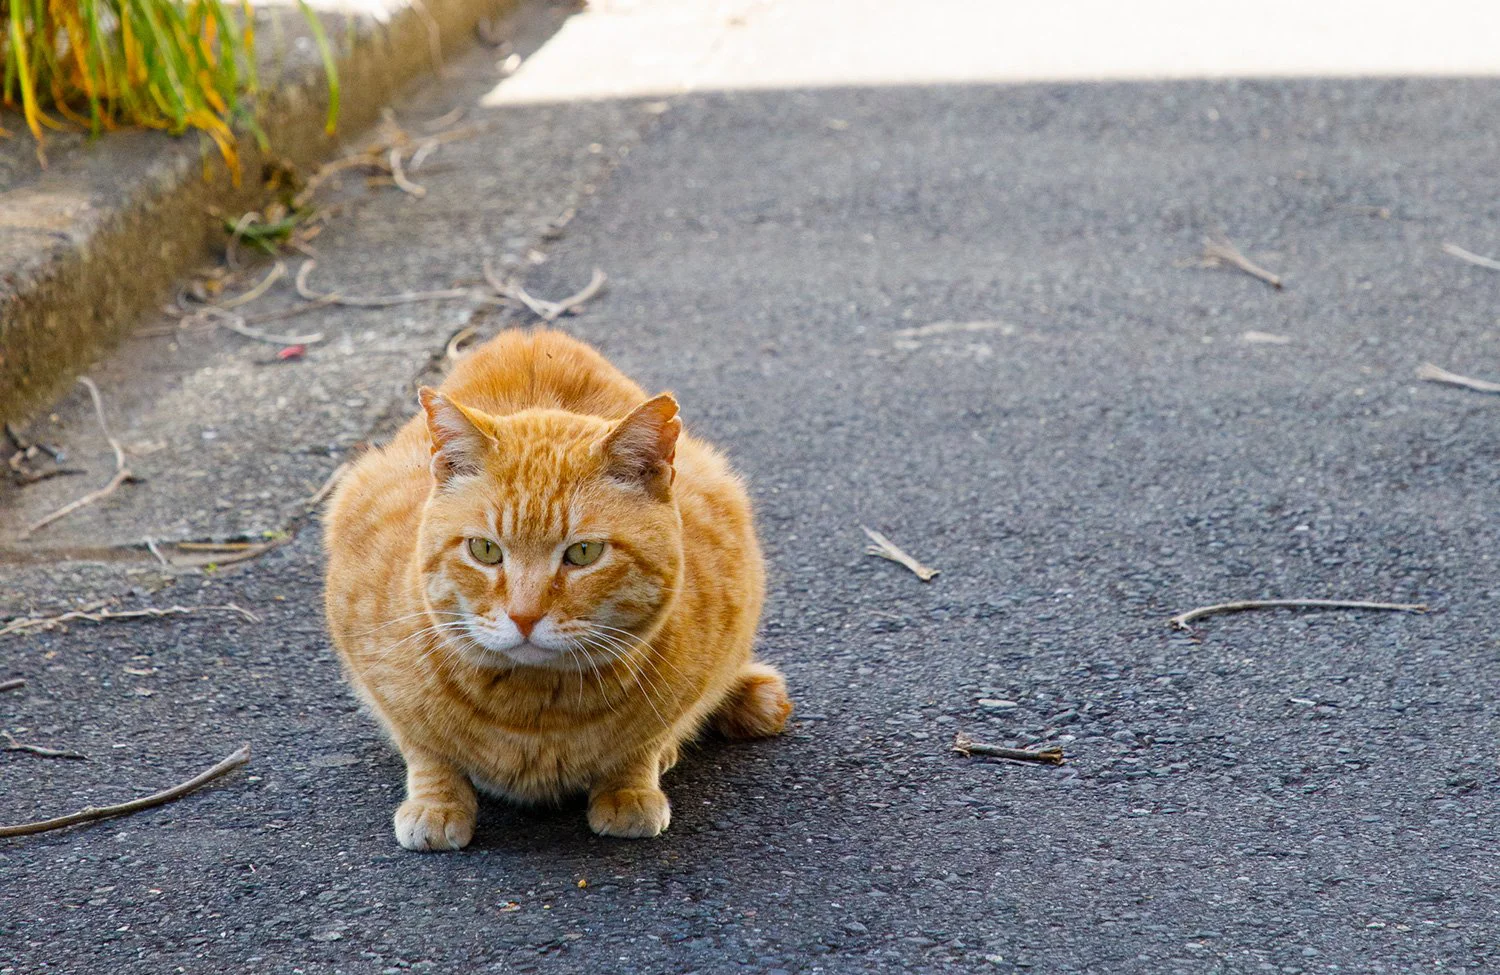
(543, 587)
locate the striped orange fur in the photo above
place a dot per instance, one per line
(495, 643)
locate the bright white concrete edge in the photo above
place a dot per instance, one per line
(637, 48)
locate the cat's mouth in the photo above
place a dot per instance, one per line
(497, 649)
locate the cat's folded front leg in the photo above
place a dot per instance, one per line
(629, 802)
(440, 807)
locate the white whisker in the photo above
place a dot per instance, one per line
(648, 688)
(409, 616)
(651, 652)
(582, 658)
(429, 630)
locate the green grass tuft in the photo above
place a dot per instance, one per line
(162, 64)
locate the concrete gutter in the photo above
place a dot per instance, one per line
(100, 236)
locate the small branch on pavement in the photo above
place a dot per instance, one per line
(236, 323)
(1253, 337)
(424, 150)
(887, 549)
(382, 301)
(376, 155)
(333, 481)
(291, 312)
(26, 623)
(28, 478)
(547, 311)
(366, 159)
(1181, 620)
(14, 684)
(1473, 258)
(445, 120)
(122, 473)
(233, 552)
(1435, 374)
(277, 272)
(1218, 252)
(398, 176)
(455, 347)
(967, 746)
(151, 547)
(92, 813)
(25, 452)
(575, 301)
(16, 746)
(513, 291)
(231, 250)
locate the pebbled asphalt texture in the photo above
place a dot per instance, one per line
(1088, 446)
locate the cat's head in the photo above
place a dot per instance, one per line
(550, 538)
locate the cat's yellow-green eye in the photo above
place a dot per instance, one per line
(583, 553)
(485, 551)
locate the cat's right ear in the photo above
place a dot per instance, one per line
(458, 438)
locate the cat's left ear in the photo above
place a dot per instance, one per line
(641, 447)
(459, 440)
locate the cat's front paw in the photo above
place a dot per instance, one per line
(431, 826)
(630, 813)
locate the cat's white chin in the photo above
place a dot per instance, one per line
(531, 655)
(501, 650)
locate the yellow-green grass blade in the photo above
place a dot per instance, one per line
(330, 66)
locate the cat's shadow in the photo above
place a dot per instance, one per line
(506, 827)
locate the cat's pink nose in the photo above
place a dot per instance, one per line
(524, 623)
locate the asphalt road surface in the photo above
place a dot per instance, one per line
(968, 316)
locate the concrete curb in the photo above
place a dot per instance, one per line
(99, 238)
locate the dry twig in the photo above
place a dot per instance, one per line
(1471, 257)
(398, 176)
(28, 478)
(443, 121)
(277, 272)
(382, 301)
(1253, 337)
(333, 481)
(240, 757)
(122, 473)
(1436, 374)
(151, 547)
(967, 746)
(229, 553)
(325, 172)
(236, 323)
(292, 312)
(44, 752)
(14, 684)
(25, 623)
(547, 311)
(25, 452)
(1181, 620)
(455, 347)
(1219, 252)
(427, 148)
(231, 250)
(887, 549)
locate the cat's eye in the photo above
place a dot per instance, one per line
(583, 553)
(485, 551)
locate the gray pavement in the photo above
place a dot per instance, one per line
(1096, 448)
(95, 237)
